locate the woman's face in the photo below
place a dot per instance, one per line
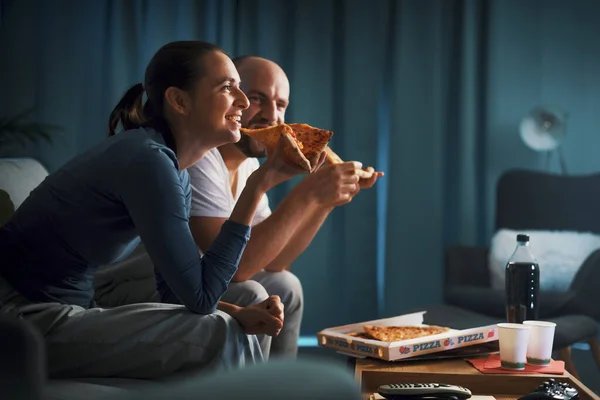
(217, 102)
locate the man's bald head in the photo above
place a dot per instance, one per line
(268, 89)
(250, 66)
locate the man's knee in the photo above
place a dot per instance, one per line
(284, 284)
(245, 293)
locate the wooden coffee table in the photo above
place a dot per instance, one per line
(371, 373)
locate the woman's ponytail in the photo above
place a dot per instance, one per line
(129, 112)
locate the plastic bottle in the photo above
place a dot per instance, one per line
(522, 283)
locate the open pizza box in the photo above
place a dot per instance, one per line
(480, 340)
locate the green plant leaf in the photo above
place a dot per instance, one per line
(19, 129)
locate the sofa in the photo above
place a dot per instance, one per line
(22, 359)
(22, 377)
(18, 177)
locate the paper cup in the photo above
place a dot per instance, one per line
(513, 340)
(541, 337)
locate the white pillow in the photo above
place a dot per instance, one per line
(558, 253)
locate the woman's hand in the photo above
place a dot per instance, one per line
(271, 173)
(262, 318)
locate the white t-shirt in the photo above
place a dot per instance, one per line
(211, 192)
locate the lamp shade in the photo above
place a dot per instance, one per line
(543, 128)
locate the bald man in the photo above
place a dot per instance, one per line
(277, 237)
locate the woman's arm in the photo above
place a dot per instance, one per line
(155, 194)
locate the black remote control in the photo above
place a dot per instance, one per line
(403, 391)
(553, 390)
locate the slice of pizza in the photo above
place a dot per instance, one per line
(292, 148)
(397, 333)
(314, 141)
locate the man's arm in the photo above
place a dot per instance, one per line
(292, 225)
(300, 241)
(311, 225)
(212, 205)
(268, 238)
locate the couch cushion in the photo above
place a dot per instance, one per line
(19, 176)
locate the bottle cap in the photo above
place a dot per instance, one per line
(522, 238)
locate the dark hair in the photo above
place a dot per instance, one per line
(175, 64)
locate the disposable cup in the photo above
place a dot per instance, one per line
(513, 340)
(541, 337)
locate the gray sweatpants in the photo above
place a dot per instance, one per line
(132, 281)
(145, 341)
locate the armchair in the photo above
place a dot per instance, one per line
(528, 200)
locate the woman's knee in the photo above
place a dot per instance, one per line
(233, 334)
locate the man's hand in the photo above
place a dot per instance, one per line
(332, 185)
(262, 318)
(366, 183)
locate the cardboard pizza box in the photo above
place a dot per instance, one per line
(339, 339)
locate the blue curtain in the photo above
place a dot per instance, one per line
(430, 91)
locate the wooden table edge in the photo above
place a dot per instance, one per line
(358, 374)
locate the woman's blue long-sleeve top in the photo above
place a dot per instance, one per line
(94, 210)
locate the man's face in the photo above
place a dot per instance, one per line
(268, 91)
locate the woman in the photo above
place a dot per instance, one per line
(96, 208)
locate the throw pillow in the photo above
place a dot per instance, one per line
(558, 253)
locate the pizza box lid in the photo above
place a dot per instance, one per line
(338, 338)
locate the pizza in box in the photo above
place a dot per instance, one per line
(398, 333)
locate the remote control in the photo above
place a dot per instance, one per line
(553, 390)
(400, 391)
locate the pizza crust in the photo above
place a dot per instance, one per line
(332, 159)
